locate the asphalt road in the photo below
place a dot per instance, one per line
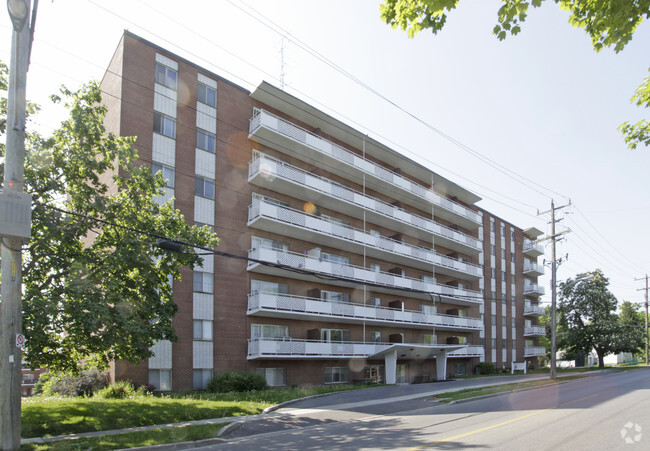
(604, 411)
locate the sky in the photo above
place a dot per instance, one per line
(520, 122)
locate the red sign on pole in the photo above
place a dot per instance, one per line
(20, 341)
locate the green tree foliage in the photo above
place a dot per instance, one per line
(97, 291)
(608, 23)
(588, 321)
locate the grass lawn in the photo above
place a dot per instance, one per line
(481, 391)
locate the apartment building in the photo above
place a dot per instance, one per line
(361, 264)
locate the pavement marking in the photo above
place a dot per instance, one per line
(494, 426)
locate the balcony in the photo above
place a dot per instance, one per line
(533, 269)
(283, 220)
(289, 348)
(534, 331)
(533, 249)
(534, 351)
(534, 310)
(304, 308)
(533, 290)
(276, 175)
(304, 266)
(283, 135)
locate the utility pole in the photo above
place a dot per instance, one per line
(553, 238)
(15, 219)
(646, 315)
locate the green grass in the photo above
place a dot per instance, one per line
(481, 391)
(132, 439)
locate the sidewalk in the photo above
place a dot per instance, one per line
(338, 401)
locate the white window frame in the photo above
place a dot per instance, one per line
(203, 281)
(166, 76)
(155, 378)
(164, 125)
(203, 329)
(275, 377)
(269, 332)
(204, 187)
(167, 173)
(204, 376)
(206, 140)
(205, 94)
(337, 375)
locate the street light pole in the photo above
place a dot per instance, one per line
(14, 229)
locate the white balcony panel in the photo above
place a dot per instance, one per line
(166, 196)
(202, 354)
(208, 263)
(533, 290)
(203, 306)
(534, 351)
(275, 305)
(162, 355)
(164, 100)
(531, 331)
(286, 221)
(203, 210)
(206, 117)
(207, 81)
(163, 150)
(205, 164)
(533, 249)
(162, 59)
(469, 351)
(533, 269)
(278, 133)
(534, 310)
(351, 276)
(279, 176)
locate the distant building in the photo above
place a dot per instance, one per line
(363, 264)
(29, 378)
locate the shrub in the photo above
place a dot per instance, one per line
(83, 384)
(120, 390)
(40, 383)
(236, 381)
(487, 368)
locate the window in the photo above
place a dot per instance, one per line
(206, 140)
(267, 243)
(167, 173)
(258, 286)
(204, 187)
(375, 302)
(164, 125)
(513, 322)
(504, 343)
(201, 379)
(161, 379)
(374, 233)
(337, 259)
(492, 249)
(426, 279)
(269, 331)
(206, 94)
(375, 267)
(166, 76)
(429, 309)
(503, 254)
(503, 230)
(275, 377)
(428, 339)
(375, 336)
(503, 276)
(512, 257)
(492, 225)
(334, 296)
(336, 375)
(202, 282)
(493, 272)
(202, 329)
(335, 335)
(494, 343)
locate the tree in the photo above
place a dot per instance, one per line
(631, 316)
(588, 320)
(608, 24)
(95, 289)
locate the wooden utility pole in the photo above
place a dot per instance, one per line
(646, 314)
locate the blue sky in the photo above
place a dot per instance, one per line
(542, 107)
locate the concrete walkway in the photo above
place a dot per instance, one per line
(339, 401)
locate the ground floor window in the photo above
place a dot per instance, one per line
(275, 377)
(460, 369)
(201, 379)
(336, 375)
(374, 373)
(401, 374)
(161, 379)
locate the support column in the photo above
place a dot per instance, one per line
(441, 365)
(390, 366)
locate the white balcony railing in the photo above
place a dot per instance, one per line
(533, 268)
(534, 351)
(289, 348)
(534, 331)
(306, 222)
(271, 168)
(291, 306)
(265, 119)
(312, 263)
(534, 310)
(534, 289)
(532, 248)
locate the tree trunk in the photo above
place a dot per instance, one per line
(601, 356)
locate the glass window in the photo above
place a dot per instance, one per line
(201, 379)
(429, 339)
(334, 259)
(494, 343)
(494, 320)
(375, 336)
(164, 125)
(335, 335)
(204, 187)
(504, 343)
(268, 243)
(261, 286)
(275, 377)
(166, 76)
(202, 282)
(167, 173)
(336, 375)
(269, 331)
(334, 296)
(206, 140)
(206, 94)
(202, 329)
(161, 379)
